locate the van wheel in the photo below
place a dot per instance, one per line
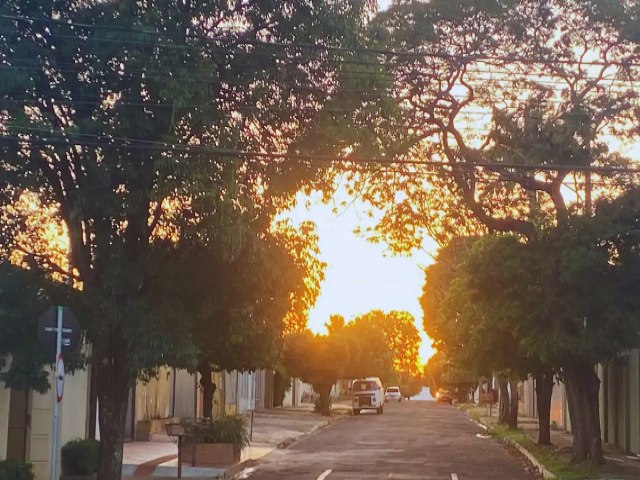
(356, 411)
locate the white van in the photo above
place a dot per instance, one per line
(367, 394)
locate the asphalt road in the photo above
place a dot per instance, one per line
(411, 440)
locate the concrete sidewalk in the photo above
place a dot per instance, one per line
(272, 429)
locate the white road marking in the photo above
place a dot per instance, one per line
(325, 474)
(454, 476)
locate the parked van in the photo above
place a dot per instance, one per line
(367, 394)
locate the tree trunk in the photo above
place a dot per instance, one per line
(513, 407)
(113, 382)
(583, 386)
(325, 399)
(93, 396)
(504, 406)
(208, 389)
(544, 390)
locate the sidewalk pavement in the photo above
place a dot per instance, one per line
(563, 442)
(272, 429)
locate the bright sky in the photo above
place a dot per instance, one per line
(361, 276)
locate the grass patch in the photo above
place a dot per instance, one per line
(553, 459)
(474, 411)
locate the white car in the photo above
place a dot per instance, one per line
(393, 394)
(367, 394)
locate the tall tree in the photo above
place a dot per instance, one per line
(120, 117)
(514, 133)
(239, 308)
(544, 308)
(318, 360)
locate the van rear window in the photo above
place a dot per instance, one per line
(393, 390)
(364, 386)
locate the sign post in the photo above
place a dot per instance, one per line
(56, 405)
(58, 331)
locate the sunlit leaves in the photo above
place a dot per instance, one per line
(505, 83)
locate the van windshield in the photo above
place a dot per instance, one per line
(361, 386)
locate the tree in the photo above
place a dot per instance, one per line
(411, 385)
(357, 349)
(24, 297)
(316, 359)
(441, 372)
(563, 305)
(367, 351)
(545, 112)
(401, 336)
(242, 325)
(122, 117)
(493, 303)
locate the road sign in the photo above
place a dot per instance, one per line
(48, 329)
(58, 328)
(59, 378)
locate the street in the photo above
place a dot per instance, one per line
(411, 440)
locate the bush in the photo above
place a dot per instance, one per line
(80, 457)
(227, 429)
(15, 470)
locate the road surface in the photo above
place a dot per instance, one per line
(411, 440)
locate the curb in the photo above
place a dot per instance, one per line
(288, 442)
(546, 474)
(234, 470)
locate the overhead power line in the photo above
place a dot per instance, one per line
(236, 41)
(146, 145)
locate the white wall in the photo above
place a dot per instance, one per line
(73, 420)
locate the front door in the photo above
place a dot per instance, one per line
(18, 425)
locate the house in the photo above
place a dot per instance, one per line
(176, 394)
(26, 421)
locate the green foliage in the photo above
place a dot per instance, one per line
(367, 352)
(401, 336)
(442, 372)
(24, 297)
(16, 470)
(498, 304)
(543, 106)
(376, 344)
(80, 457)
(315, 359)
(241, 325)
(226, 429)
(411, 385)
(118, 115)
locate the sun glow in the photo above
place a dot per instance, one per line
(360, 276)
